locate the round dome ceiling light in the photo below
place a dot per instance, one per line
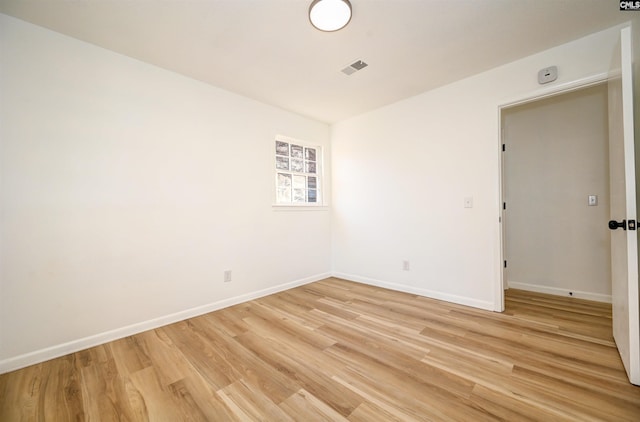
(330, 15)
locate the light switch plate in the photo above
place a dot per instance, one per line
(593, 200)
(468, 202)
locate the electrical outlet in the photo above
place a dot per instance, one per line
(227, 276)
(405, 266)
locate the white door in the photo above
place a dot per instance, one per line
(624, 238)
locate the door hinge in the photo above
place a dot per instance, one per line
(504, 205)
(504, 147)
(505, 263)
(631, 224)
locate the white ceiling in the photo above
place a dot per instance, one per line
(267, 49)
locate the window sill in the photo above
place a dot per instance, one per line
(302, 207)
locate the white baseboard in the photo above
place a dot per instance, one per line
(31, 358)
(598, 297)
(460, 300)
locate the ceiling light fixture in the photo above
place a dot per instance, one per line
(330, 15)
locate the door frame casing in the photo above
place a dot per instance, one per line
(525, 99)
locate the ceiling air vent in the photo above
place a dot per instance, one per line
(354, 67)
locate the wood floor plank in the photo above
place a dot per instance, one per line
(395, 361)
(249, 366)
(305, 366)
(165, 355)
(595, 403)
(336, 350)
(249, 403)
(202, 354)
(507, 407)
(134, 354)
(64, 380)
(305, 403)
(286, 327)
(202, 397)
(368, 412)
(107, 394)
(440, 396)
(186, 402)
(158, 399)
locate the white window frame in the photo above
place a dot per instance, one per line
(319, 174)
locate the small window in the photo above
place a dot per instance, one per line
(297, 169)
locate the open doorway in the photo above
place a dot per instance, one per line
(556, 195)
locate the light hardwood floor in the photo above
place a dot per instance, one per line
(336, 350)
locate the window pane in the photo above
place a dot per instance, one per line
(296, 165)
(283, 196)
(296, 151)
(313, 195)
(284, 180)
(299, 182)
(310, 154)
(299, 195)
(282, 163)
(312, 182)
(310, 167)
(282, 148)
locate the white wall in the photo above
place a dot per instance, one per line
(401, 174)
(127, 190)
(557, 154)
